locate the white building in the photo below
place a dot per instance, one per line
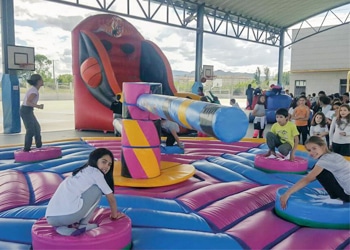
(320, 62)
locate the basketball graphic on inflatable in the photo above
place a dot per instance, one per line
(90, 71)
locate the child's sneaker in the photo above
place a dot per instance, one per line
(287, 157)
(181, 145)
(271, 156)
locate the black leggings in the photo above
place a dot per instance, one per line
(342, 149)
(32, 126)
(332, 186)
(303, 131)
(170, 140)
(257, 126)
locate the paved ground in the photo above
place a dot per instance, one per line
(57, 123)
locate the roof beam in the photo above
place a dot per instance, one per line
(318, 26)
(183, 14)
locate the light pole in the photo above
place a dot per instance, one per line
(53, 74)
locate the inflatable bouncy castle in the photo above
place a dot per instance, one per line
(107, 51)
(273, 102)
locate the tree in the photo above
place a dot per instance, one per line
(65, 79)
(43, 66)
(267, 74)
(285, 79)
(257, 76)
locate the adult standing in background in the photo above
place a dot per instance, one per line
(30, 122)
(198, 87)
(249, 93)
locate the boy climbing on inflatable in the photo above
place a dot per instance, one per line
(284, 136)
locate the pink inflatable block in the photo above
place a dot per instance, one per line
(220, 212)
(108, 235)
(274, 228)
(14, 191)
(44, 185)
(201, 197)
(299, 165)
(38, 154)
(312, 238)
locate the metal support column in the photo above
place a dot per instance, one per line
(280, 58)
(7, 31)
(10, 83)
(199, 42)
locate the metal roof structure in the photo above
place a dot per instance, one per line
(259, 21)
(265, 22)
(276, 13)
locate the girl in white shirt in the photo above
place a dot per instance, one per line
(319, 126)
(333, 112)
(30, 122)
(75, 200)
(260, 117)
(339, 133)
(335, 178)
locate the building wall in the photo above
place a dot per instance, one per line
(322, 60)
(316, 81)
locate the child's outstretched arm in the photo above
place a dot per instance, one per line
(311, 176)
(331, 132)
(113, 205)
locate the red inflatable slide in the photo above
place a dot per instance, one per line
(107, 51)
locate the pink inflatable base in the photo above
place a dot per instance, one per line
(108, 235)
(38, 154)
(299, 165)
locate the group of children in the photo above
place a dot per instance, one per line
(72, 205)
(335, 178)
(333, 127)
(75, 200)
(284, 136)
(331, 122)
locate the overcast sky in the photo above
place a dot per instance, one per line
(47, 27)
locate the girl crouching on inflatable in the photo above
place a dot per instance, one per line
(75, 200)
(332, 170)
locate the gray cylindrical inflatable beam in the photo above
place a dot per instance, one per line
(227, 124)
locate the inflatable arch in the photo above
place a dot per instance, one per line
(107, 51)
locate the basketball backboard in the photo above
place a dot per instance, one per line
(20, 58)
(208, 72)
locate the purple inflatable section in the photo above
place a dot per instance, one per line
(19, 189)
(227, 204)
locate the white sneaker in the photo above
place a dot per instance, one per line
(272, 156)
(287, 157)
(181, 145)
